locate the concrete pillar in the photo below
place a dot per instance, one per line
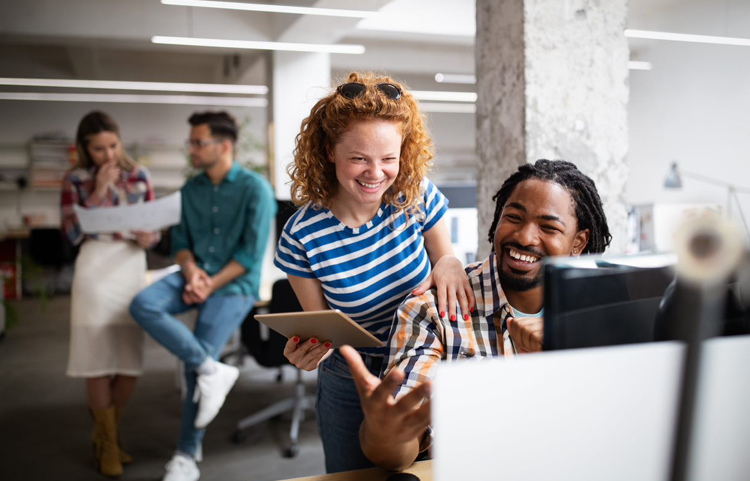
(296, 82)
(552, 82)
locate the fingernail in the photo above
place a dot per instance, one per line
(295, 339)
(313, 341)
(442, 313)
(453, 318)
(466, 317)
(472, 310)
(327, 345)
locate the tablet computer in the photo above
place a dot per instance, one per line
(328, 325)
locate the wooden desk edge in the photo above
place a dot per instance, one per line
(422, 469)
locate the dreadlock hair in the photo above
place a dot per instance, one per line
(588, 205)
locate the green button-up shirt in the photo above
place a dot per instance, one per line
(229, 221)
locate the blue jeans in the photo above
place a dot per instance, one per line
(339, 413)
(218, 318)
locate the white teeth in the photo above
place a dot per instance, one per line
(525, 258)
(369, 186)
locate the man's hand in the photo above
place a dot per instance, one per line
(449, 277)
(395, 426)
(527, 333)
(198, 284)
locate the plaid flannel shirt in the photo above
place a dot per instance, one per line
(132, 187)
(420, 339)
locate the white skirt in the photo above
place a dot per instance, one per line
(104, 339)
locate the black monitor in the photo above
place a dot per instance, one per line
(593, 301)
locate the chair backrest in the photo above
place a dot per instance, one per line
(270, 352)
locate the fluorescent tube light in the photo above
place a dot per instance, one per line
(455, 78)
(137, 99)
(685, 37)
(447, 107)
(257, 7)
(636, 65)
(256, 45)
(156, 86)
(438, 96)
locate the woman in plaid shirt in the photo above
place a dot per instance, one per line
(106, 345)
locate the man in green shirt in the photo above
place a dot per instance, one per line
(219, 246)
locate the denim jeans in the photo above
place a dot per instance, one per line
(339, 413)
(218, 318)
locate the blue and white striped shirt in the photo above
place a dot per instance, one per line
(365, 272)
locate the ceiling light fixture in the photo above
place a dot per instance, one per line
(258, 7)
(447, 107)
(154, 86)
(686, 37)
(637, 65)
(256, 45)
(438, 96)
(455, 78)
(137, 99)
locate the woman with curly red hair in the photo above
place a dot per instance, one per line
(368, 233)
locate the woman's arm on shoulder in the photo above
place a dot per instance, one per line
(448, 274)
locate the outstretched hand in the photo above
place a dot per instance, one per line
(388, 421)
(453, 288)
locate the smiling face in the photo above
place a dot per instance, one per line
(367, 161)
(538, 220)
(104, 147)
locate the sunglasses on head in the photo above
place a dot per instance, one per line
(353, 90)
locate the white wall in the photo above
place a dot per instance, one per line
(693, 107)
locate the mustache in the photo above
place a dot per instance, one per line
(521, 249)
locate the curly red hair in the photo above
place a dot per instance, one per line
(314, 175)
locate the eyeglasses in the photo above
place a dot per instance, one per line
(354, 90)
(199, 144)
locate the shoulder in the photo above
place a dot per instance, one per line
(78, 174)
(306, 220)
(139, 172)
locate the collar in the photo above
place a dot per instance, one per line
(231, 176)
(485, 282)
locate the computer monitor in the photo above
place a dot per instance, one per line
(592, 301)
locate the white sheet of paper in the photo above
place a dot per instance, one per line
(148, 216)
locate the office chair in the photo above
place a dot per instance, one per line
(267, 347)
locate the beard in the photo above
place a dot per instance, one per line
(512, 282)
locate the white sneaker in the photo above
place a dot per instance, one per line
(181, 468)
(210, 392)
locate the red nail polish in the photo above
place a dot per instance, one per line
(295, 339)
(327, 345)
(442, 314)
(472, 310)
(313, 341)
(466, 317)
(453, 318)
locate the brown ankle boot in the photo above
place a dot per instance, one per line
(107, 453)
(125, 458)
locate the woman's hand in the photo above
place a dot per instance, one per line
(144, 238)
(453, 286)
(308, 354)
(107, 175)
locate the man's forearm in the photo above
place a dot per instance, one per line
(231, 271)
(382, 451)
(185, 260)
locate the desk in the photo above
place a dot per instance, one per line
(422, 469)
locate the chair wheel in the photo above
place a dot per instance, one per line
(239, 437)
(291, 451)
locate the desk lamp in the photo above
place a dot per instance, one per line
(673, 180)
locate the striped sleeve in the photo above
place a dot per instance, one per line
(435, 205)
(291, 255)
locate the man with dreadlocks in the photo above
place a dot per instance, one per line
(548, 208)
